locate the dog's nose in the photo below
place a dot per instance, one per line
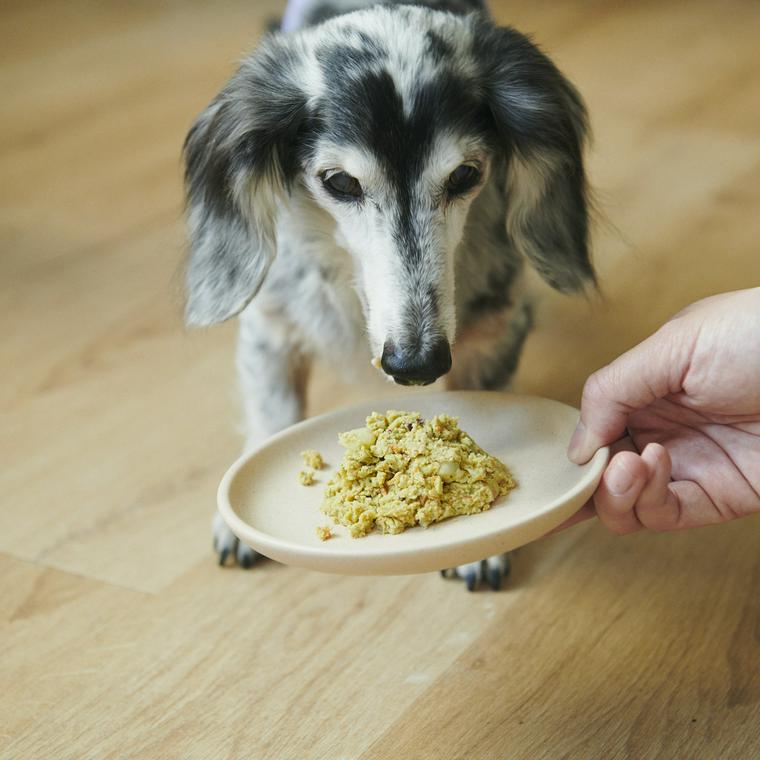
(414, 365)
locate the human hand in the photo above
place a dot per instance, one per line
(682, 410)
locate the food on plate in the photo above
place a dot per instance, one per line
(400, 470)
(313, 459)
(323, 532)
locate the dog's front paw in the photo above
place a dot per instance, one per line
(493, 570)
(226, 544)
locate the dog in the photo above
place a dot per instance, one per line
(370, 184)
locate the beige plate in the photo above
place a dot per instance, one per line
(262, 501)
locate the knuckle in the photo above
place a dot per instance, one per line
(597, 386)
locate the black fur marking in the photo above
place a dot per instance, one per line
(532, 103)
(255, 124)
(207, 170)
(245, 138)
(420, 318)
(370, 43)
(348, 58)
(437, 47)
(366, 109)
(539, 116)
(432, 296)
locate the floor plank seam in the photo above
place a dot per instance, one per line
(73, 574)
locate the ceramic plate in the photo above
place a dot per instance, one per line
(262, 501)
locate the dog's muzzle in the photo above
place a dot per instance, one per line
(416, 364)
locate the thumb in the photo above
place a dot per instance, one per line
(649, 371)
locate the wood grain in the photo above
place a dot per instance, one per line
(120, 638)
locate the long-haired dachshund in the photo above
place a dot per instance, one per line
(369, 185)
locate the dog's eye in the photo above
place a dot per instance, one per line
(462, 179)
(342, 185)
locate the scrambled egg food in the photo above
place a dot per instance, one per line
(312, 459)
(323, 533)
(400, 471)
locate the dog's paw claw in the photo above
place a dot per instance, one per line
(226, 544)
(506, 567)
(493, 570)
(494, 578)
(246, 557)
(496, 569)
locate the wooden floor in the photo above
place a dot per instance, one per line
(120, 637)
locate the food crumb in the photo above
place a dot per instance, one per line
(306, 478)
(323, 532)
(313, 459)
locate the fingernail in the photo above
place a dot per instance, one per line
(576, 449)
(619, 480)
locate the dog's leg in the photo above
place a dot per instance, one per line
(493, 569)
(272, 371)
(485, 358)
(486, 355)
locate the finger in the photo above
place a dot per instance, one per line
(588, 510)
(657, 506)
(622, 482)
(649, 371)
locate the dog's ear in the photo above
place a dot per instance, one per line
(541, 123)
(239, 160)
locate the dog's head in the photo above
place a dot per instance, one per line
(392, 120)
